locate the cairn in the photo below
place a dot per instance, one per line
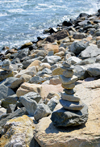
(73, 111)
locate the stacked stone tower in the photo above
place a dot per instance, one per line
(73, 111)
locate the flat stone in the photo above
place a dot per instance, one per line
(68, 97)
(65, 80)
(68, 86)
(69, 91)
(63, 118)
(71, 105)
(58, 71)
(68, 73)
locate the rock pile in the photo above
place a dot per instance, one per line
(74, 112)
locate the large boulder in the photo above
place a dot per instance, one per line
(87, 135)
(18, 132)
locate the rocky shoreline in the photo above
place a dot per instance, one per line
(30, 87)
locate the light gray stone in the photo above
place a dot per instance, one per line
(90, 51)
(41, 111)
(71, 105)
(29, 104)
(6, 65)
(53, 102)
(68, 73)
(37, 80)
(51, 59)
(71, 98)
(63, 118)
(93, 69)
(73, 60)
(65, 80)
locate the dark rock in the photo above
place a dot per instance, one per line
(63, 118)
(57, 36)
(5, 74)
(53, 102)
(79, 35)
(67, 23)
(69, 91)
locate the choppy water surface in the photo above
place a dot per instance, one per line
(24, 20)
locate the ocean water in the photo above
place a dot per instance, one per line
(24, 20)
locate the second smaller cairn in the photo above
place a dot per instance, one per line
(73, 111)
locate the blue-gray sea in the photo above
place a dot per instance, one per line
(23, 20)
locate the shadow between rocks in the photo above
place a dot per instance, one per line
(53, 129)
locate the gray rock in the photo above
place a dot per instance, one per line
(79, 35)
(66, 81)
(5, 91)
(90, 51)
(87, 61)
(71, 98)
(16, 60)
(93, 69)
(53, 102)
(63, 118)
(71, 105)
(44, 71)
(80, 72)
(41, 111)
(17, 113)
(13, 82)
(78, 46)
(6, 65)
(33, 96)
(37, 80)
(73, 60)
(29, 104)
(98, 32)
(26, 63)
(51, 59)
(22, 53)
(5, 74)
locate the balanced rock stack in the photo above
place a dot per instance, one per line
(74, 112)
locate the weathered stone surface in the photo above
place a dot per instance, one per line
(35, 63)
(93, 69)
(79, 35)
(18, 132)
(44, 71)
(5, 91)
(22, 53)
(37, 80)
(41, 111)
(65, 80)
(27, 87)
(55, 81)
(26, 77)
(90, 51)
(17, 113)
(13, 82)
(29, 104)
(79, 46)
(63, 118)
(71, 98)
(71, 105)
(6, 65)
(69, 91)
(47, 135)
(51, 59)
